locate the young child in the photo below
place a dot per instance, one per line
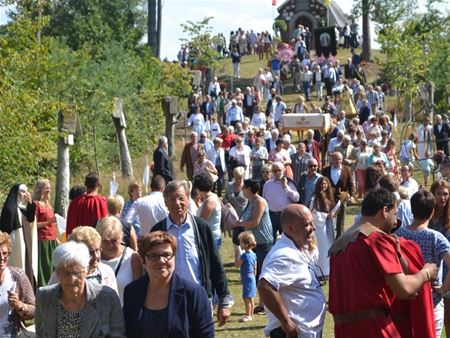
(247, 264)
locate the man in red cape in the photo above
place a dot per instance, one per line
(368, 273)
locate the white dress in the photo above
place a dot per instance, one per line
(197, 123)
(324, 236)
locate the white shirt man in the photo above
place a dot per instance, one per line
(234, 114)
(289, 274)
(151, 208)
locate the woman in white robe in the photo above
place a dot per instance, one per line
(18, 220)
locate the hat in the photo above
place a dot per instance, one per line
(327, 98)
(234, 101)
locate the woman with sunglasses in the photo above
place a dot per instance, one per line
(162, 304)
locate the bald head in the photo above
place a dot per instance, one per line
(297, 224)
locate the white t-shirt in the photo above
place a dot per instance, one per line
(291, 272)
(405, 151)
(125, 275)
(7, 285)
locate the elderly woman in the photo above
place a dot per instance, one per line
(97, 271)
(240, 155)
(235, 195)
(18, 220)
(210, 209)
(123, 260)
(203, 165)
(76, 307)
(258, 156)
(378, 155)
(161, 303)
(16, 293)
(46, 225)
(279, 154)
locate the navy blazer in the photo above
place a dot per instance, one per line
(189, 309)
(163, 165)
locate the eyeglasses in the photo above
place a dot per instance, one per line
(312, 166)
(4, 255)
(72, 274)
(166, 256)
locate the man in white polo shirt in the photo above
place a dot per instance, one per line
(289, 284)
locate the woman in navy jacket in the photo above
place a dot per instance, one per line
(162, 304)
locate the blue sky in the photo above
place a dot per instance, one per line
(228, 15)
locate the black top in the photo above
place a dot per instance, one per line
(153, 323)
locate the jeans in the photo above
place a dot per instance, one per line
(319, 90)
(261, 251)
(237, 69)
(275, 218)
(306, 87)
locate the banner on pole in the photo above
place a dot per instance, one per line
(327, 3)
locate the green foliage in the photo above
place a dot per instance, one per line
(417, 50)
(280, 26)
(200, 41)
(28, 127)
(96, 22)
(39, 77)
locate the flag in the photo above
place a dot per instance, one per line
(146, 175)
(327, 3)
(274, 2)
(113, 185)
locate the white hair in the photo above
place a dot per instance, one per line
(162, 141)
(69, 253)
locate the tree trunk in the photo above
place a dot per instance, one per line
(125, 158)
(366, 54)
(152, 30)
(158, 33)
(408, 108)
(62, 178)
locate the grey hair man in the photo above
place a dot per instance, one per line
(163, 163)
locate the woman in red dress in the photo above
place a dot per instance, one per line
(46, 224)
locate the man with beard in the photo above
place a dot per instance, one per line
(368, 272)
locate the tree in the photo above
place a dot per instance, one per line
(201, 41)
(40, 78)
(154, 26)
(384, 13)
(97, 22)
(417, 50)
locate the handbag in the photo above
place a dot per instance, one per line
(229, 216)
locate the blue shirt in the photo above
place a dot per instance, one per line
(248, 264)
(187, 262)
(433, 245)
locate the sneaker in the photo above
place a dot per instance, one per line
(246, 318)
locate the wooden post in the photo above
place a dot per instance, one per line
(68, 126)
(120, 124)
(62, 178)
